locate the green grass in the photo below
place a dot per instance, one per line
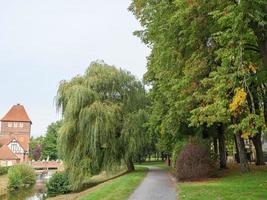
(119, 188)
(234, 186)
(152, 163)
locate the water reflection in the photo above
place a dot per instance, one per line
(38, 192)
(27, 194)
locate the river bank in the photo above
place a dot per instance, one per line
(37, 192)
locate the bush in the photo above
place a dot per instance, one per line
(3, 170)
(194, 162)
(21, 176)
(58, 184)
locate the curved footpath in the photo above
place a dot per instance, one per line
(157, 185)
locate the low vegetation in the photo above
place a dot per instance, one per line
(21, 176)
(58, 184)
(3, 170)
(194, 162)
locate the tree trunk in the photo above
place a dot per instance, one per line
(263, 51)
(129, 164)
(205, 133)
(265, 106)
(222, 148)
(215, 146)
(237, 152)
(242, 154)
(258, 147)
(257, 138)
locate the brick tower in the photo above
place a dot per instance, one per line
(15, 133)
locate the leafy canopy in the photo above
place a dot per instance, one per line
(102, 120)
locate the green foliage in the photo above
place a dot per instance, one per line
(176, 151)
(202, 51)
(134, 135)
(34, 143)
(97, 110)
(58, 184)
(49, 143)
(44, 147)
(3, 170)
(249, 125)
(21, 176)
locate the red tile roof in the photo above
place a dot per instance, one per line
(7, 154)
(16, 114)
(23, 140)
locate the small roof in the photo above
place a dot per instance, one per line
(16, 114)
(7, 154)
(21, 139)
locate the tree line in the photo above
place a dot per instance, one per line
(207, 71)
(45, 147)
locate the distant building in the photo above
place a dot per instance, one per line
(15, 136)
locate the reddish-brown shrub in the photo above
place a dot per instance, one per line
(194, 162)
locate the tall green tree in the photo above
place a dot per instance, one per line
(50, 142)
(103, 120)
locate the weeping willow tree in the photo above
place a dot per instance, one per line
(103, 121)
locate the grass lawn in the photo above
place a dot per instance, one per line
(232, 186)
(119, 188)
(160, 164)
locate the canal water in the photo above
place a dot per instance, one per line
(37, 192)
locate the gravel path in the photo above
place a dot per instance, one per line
(157, 185)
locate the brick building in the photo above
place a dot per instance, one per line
(15, 136)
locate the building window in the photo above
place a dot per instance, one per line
(15, 124)
(9, 124)
(21, 125)
(14, 147)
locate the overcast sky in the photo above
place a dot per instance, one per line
(44, 42)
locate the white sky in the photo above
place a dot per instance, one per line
(44, 42)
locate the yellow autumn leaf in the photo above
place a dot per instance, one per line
(245, 135)
(252, 68)
(238, 100)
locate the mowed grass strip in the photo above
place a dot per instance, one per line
(251, 186)
(119, 188)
